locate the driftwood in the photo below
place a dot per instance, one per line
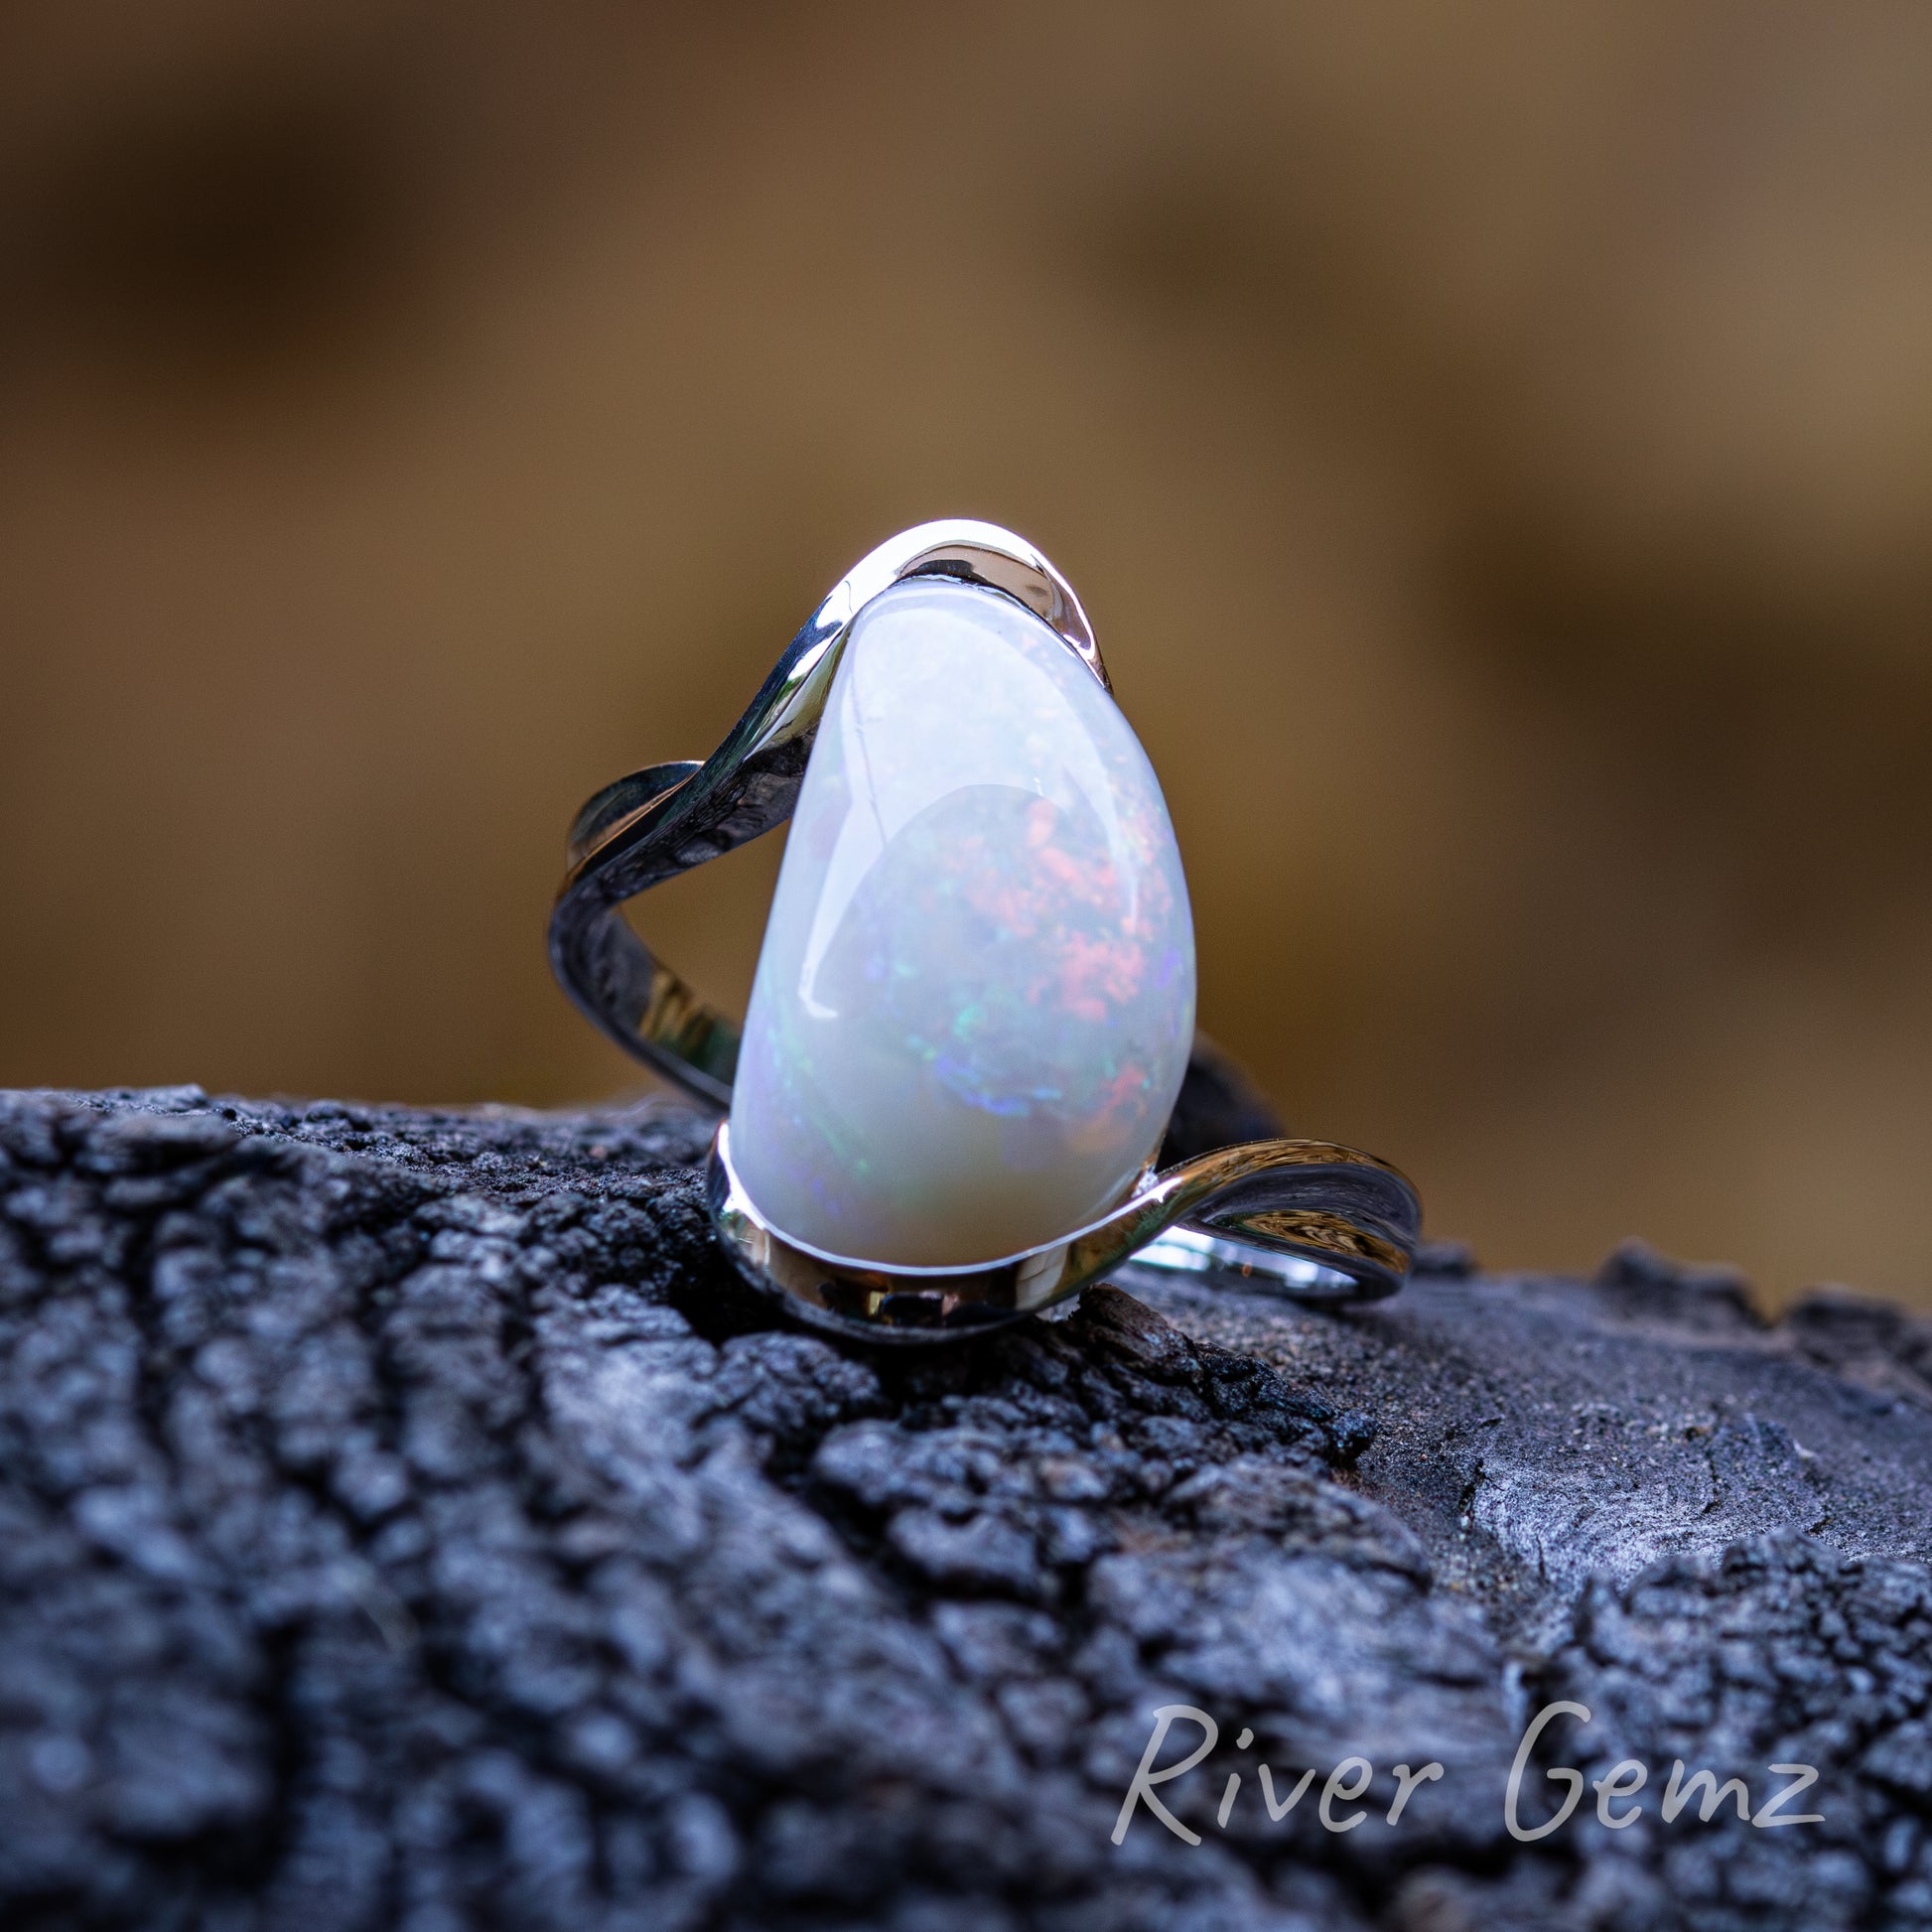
(404, 1523)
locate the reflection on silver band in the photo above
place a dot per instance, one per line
(1193, 1251)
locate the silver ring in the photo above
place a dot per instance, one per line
(1312, 1221)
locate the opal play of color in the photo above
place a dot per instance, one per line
(976, 997)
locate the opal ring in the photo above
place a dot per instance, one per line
(974, 1008)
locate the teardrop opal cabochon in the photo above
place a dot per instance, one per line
(976, 996)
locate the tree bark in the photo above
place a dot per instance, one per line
(405, 1522)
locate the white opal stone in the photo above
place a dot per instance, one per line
(976, 996)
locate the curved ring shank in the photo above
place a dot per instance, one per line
(1320, 1241)
(665, 819)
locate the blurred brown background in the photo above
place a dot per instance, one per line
(1494, 443)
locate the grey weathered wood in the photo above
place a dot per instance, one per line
(403, 1523)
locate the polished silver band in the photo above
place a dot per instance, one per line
(1261, 1212)
(1320, 1230)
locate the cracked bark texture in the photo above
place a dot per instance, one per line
(405, 1522)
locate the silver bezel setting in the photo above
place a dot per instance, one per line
(1335, 1224)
